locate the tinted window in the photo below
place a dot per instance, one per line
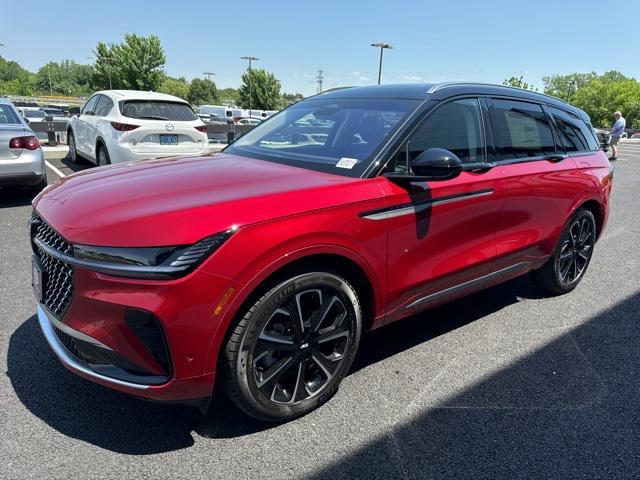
(103, 106)
(34, 114)
(90, 105)
(157, 110)
(455, 126)
(522, 129)
(8, 115)
(326, 134)
(573, 133)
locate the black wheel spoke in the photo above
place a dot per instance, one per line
(268, 379)
(301, 346)
(326, 365)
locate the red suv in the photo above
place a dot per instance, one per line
(261, 267)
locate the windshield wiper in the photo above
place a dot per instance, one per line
(152, 117)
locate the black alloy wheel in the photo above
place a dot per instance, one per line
(568, 264)
(296, 345)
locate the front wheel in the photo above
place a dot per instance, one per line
(73, 151)
(571, 257)
(293, 347)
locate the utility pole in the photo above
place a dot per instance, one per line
(250, 60)
(208, 74)
(50, 87)
(319, 79)
(381, 46)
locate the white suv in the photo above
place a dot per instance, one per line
(123, 125)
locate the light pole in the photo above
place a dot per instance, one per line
(50, 87)
(208, 74)
(250, 59)
(381, 46)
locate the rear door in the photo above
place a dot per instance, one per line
(441, 234)
(540, 185)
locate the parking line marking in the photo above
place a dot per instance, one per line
(55, 170)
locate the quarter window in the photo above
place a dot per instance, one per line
(573, 133)
(522, 129)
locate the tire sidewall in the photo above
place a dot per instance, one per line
(72, 138)
(259, 318)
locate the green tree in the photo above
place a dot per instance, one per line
(64, 78)
(518, 82)
(135, 64)
(606, 94)
(564, 86)
(14, 80)
(265, 90)
(175, 86)
(291, 98)
(202, 91)
(229, 96)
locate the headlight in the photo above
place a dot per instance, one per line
(148, 262)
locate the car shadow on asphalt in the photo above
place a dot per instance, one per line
(120, 423)
(15, 197)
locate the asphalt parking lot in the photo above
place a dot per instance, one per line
(502, 384)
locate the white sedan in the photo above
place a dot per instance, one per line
(124, 125)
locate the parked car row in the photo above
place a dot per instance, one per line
(123, 125)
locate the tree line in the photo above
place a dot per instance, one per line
(138, 64)
(598, 95)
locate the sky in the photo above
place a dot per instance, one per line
(479, 40)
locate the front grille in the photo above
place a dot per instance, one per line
(57, 288)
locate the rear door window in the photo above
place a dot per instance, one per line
(103, 107)
(90, 106)
(157, 110)
(521, 130)
(573, 133)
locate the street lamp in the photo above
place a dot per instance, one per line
(381, 46)
(208, 74)
(250, 60)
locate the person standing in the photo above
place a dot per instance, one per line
(619, 123)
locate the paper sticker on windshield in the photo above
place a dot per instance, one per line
(347, 162)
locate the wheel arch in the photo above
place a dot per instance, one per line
(597, 209)
(338, 263)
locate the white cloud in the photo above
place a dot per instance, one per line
(411, 78)
(355, 74)
(364, 79)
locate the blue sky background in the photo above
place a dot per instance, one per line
(434, 41)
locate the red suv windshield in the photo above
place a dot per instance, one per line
(332, 135)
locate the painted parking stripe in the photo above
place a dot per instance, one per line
(54, 169)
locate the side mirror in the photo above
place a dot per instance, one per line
(26, 120)
(74, 111)
(431, 165)
(437, 164)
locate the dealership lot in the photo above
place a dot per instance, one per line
(501, 384)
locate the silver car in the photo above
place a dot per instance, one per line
(21, 157)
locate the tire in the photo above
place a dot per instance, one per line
(73, 151)
(571, 257)
(277, 367)
(102, 158)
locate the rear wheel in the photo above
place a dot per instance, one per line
(291, 350)
(103, 156)
(571, 257)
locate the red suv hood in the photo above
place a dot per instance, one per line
(179, 201)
